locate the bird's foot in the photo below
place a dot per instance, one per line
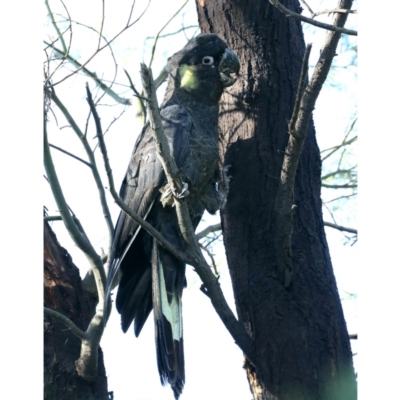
(167, 196)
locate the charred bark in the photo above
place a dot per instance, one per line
(63, 293)
(298, 327)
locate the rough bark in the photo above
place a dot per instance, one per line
(63, 293)
(303, 348)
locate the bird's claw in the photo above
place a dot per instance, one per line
(184, 192)
(167, 196)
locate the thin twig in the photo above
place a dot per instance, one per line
(211, 258)
(79, 239)
(92, 75)
(99, 49)
(333, 28)
(70, 154)
(344, 186)
(308, 7)
(138, 95)
(341, 197)
(60, 36)
(159, 32)
(341, 228)
(334, 149)
(338, 172)
(342, 11)
(95, 173)
(66, 50)
(208, 230)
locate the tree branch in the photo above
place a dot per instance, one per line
(208, 230)
(79, 239)
(333, 28)
(159, 32)
(97, 179)
(333, 11)
(67, 322)
(344, 186)
(299, 126)
(92, 75)
(71, 155)
(341, 228)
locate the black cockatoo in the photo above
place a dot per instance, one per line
(149, 276)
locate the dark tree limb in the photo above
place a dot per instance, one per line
(298, 128)
(341, 228)
(70, 154)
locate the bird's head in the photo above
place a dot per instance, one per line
(202, 69)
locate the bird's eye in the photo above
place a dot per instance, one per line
(208, 60)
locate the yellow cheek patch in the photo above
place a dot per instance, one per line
(189, 80)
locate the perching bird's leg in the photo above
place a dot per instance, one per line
(167, 196)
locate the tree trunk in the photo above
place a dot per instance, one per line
(63, 293)
(302, 345)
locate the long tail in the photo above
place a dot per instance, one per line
(168, 277)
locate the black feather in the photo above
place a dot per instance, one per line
(149, 276)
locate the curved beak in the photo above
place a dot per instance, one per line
(229, 66)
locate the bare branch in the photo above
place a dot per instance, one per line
(142, 110)
(67, 322)
(159, 32)
(70, 154)
(285, 195)
(333, 28)
(340, 198)
(99, 49)
(92, 75)
(96, 176)
(338, 172)
(76, 234)
(60, 36)
(344, 186)
(211, 258)
(341, 228)
(308, 7)
(342, 11)
(208, 230)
